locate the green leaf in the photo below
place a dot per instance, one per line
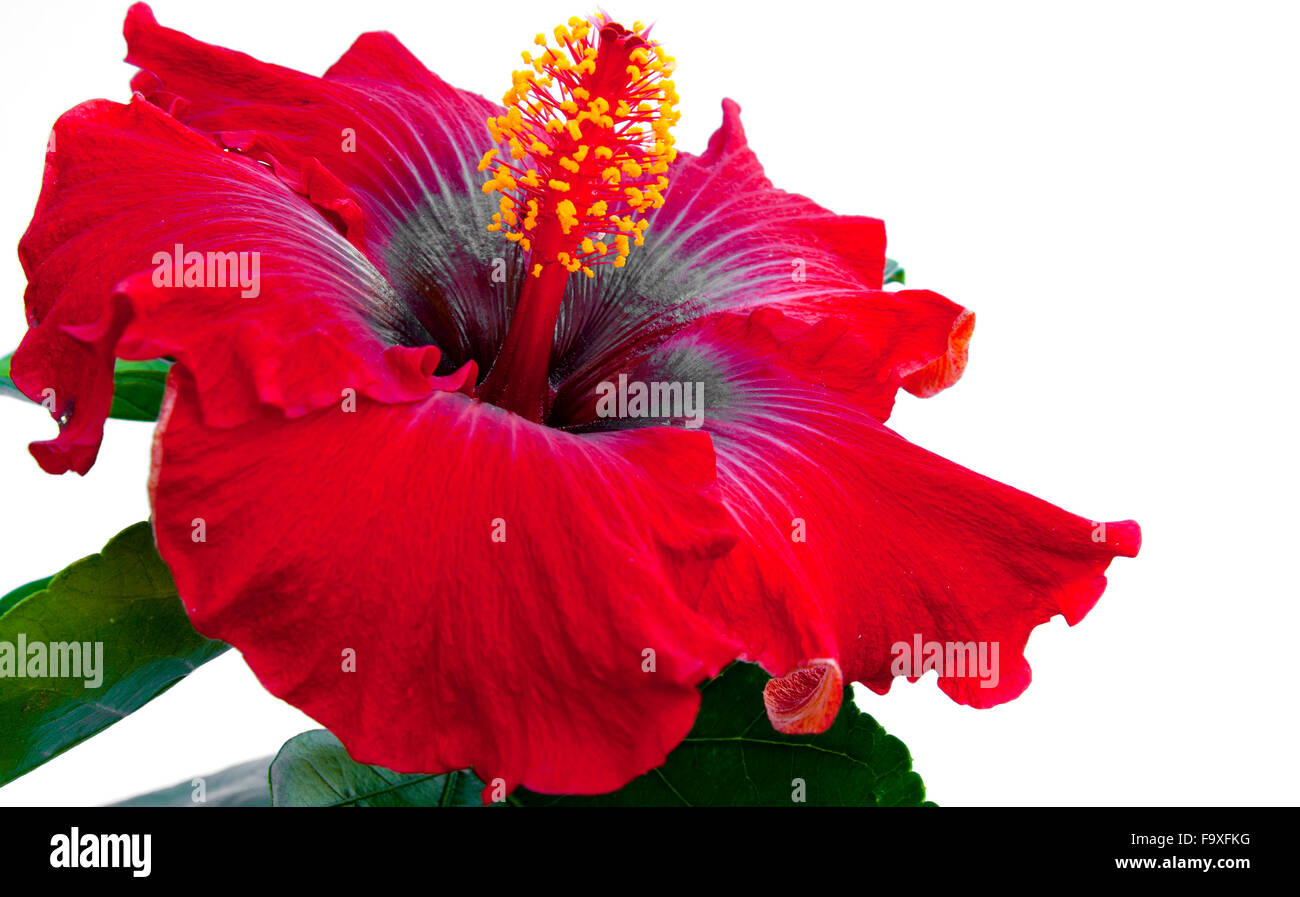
(314, 770)
(894, 272)
(137, 387)
(732, 757)
(7, 387)
(22, 592)
(122, 599)
(244, 785)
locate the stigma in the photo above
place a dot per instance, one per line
(584, 146)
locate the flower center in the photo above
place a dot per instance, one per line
(587, 143)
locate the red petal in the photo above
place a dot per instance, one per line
(313, 329)
(373, 532)
(868, 348)
(945, 367)
(380, 144)
(858, 541)
(379, 120)
(729, 240)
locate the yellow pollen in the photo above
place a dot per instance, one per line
(583, 145)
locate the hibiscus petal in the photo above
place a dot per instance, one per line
(404, 142)
(857, 541)
(128, 182)
(497, 583)
(726, 239)
(387, 127)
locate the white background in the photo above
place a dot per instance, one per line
(1111, 187)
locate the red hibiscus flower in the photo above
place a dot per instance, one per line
(428, 455)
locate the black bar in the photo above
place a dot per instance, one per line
(685, 847)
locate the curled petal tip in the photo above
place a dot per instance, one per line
(806, 701)
(1125, 536)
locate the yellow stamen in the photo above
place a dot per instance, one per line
(584, 156)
